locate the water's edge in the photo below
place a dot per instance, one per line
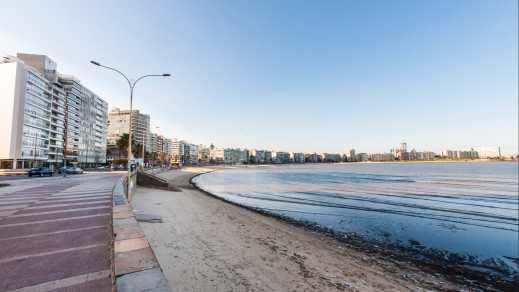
(453, 266)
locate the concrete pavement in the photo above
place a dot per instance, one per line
(56, 234)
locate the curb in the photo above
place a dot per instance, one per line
(136, 268)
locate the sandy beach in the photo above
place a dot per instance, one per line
(206, 244)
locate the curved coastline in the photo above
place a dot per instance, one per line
(450, 265)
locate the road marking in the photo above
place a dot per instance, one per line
(59, 211)
(42, 254)
(14, 200)
(72, 200)
(64, 283)
(7, 213)
(13, 207)
(53, 220)
(54, 232)
(76, 196)
(66, 205)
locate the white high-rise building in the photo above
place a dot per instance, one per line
(41, 115)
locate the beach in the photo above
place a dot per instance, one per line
(206, 244)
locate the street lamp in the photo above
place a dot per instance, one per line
(132, 86)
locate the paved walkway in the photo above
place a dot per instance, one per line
(56, 234)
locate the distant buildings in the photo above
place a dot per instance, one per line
(299, 157)
(362, 157)
(185, 153)
(353, 156)
(260, 156)
(460, 154)
(381, 157)
(47, 118)
(189, 153)
(216, 155)
(282, 157)
(235, 156)
(332, 157)
(313, 158)
(204, 155)
(176, 152)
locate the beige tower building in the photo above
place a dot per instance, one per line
(119, 123)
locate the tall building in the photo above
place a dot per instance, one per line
(204, 154)
(331, 157)
(189, 153)
(313, 157)
(353, 157)
(176, 154)
(362, 157)
(381, 157)
(119, 123)
(216, 155)
(299, 157)
(261, 156)
(282, 157)
(42, 116)
(403, 147)
(86, 129)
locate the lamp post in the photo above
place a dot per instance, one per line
(131, 86)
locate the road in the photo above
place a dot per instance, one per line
(56, 233)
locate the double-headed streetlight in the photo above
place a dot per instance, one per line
(131, 84)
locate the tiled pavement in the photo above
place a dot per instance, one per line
(56, 234)
(136, 266)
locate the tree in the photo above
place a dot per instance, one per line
(122, 144)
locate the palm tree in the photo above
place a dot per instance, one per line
(122, 144)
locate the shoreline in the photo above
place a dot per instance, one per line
(392, 264)
(415, 254)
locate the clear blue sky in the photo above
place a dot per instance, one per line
(293, 75)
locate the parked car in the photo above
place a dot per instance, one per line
(40, 171)
(70, 170)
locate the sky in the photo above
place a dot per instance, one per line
(287, 75)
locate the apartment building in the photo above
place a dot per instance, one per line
(261, 156)
(331, 157)
(43, 117)
(216, 155)
(299, 157)
(86, 128)
(282, 157)
(119, 123)
(176, 152)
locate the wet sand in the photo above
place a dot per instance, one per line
(206, 244)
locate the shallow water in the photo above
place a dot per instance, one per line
(464, 208)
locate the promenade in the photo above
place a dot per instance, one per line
(56, 233)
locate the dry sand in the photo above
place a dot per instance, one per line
(206, 244)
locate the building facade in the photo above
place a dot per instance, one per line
(282, 157)
(299, 157)
(43, 117)
(119, 123)
(86, 129)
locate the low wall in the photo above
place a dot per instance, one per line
(152, 181)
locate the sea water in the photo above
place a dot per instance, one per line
(463, 208)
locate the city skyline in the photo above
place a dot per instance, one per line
(327, 79)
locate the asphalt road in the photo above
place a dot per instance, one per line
(56, 233)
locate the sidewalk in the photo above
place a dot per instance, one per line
(56, 235)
